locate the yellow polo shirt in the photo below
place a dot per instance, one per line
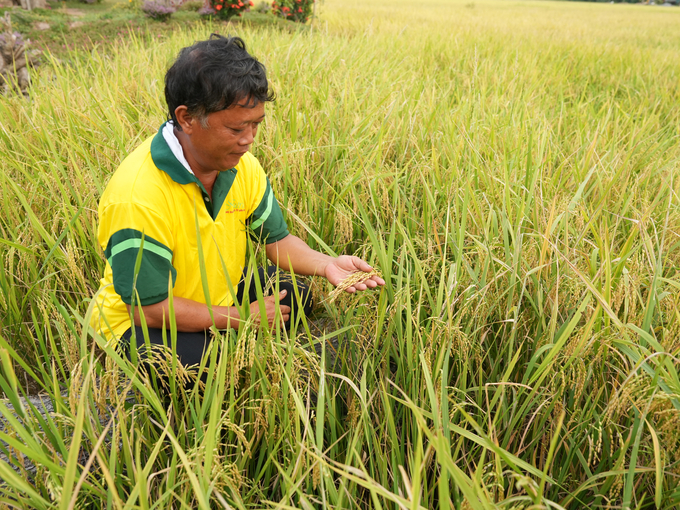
(154, 203)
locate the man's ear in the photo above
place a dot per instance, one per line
(186, 121)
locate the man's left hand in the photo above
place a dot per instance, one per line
(341, 267)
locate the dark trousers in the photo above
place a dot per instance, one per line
(191, 346)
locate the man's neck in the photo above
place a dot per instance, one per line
(206, 177)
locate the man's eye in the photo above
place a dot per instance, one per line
(237, 131)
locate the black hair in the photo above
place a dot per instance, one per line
(213, 75)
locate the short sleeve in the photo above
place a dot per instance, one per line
(266, 220)
(124, 230)
(267, 223)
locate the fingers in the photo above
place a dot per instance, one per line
(362, 265)
(370, 283)
(273, 318)
(373, 281)
(278, 320)
(274, 298)
(284, 309)
(378, 280)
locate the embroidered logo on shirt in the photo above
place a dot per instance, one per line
(233, 207)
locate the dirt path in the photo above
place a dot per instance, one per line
(76, 13)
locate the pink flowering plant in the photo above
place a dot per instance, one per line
(293, 10)
(157, 10)
(226, 9)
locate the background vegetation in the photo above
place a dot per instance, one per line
(511, 167)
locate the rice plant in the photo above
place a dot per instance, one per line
(509, 168)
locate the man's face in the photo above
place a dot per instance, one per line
(229, 135)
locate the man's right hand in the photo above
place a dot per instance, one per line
(270, 310)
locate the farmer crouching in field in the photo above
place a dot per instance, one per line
(193, 182)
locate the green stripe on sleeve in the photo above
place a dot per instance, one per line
(136, 243)
(256, 224)
(156, 271)
(267, 223)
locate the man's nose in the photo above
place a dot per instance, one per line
(248, 136)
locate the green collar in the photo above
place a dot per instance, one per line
(165, 160)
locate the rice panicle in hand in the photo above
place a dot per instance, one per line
(351, 280)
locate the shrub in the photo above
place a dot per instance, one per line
(293, 10)
(191, 5)
(206, 11)
(226, 9)
(157, 10)
(263, 7)
(130, 5)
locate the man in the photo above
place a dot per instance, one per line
(196, 183)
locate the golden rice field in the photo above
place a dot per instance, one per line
(511, 168)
